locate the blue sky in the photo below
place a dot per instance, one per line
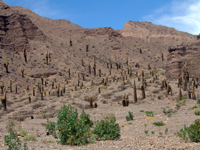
(183, 15)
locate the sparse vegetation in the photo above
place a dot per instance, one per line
(130, 117)
(159, 123)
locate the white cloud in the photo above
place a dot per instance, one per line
(182, 15)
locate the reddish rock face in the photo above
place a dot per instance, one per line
(177, 58)
(16, 29)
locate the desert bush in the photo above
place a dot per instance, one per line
(107, 130)
(198, 101)
(149, 113)
(70, 129)
(51, 127)
(194, 107)
(197, 112)
(192, 132)
(13, 141)
(159, 123)
(130, 117)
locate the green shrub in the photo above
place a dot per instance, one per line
(130, 117)
(13, 141)
(141, 110)
(166, 130)
(146, 131)
(197, 112)
(152, 132)
(51, 127)
(86, 119)
(149, 113)
(158, 123)
(198, 101)
(194, 107)
(107, 130)
(160, 133)
(71, 129)
(192, 132)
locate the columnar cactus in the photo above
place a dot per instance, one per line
(81, 86)
(142, 73)
(95, 105)
(123, 100)
(69, 72)
(94, 68)
(149, 67)
(2, 87)
(33, 91)
(90, 100)
(188, 91)
(5, 63)
(127, 61)
(87, 47)
(47, 57)
(143, 91)
(4, 101)
(99, 72)
(126, 100)
(83, 75)
(78, 82)
(134, 92)
(52, 85)
(42, 80)
(45, 82)
(82, 61)
(41, 94)
(16, 88)
(99, 89)
(89, 68)
(92, 82)
(22, 70)
(29, 98)
(70, 42)
(180, 93)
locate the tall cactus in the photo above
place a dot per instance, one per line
(4, 101)
(69, 72)
(134, 92)
(90, 100)
(5, 63)
(47, 57)
(89, 68)
(22, 71)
